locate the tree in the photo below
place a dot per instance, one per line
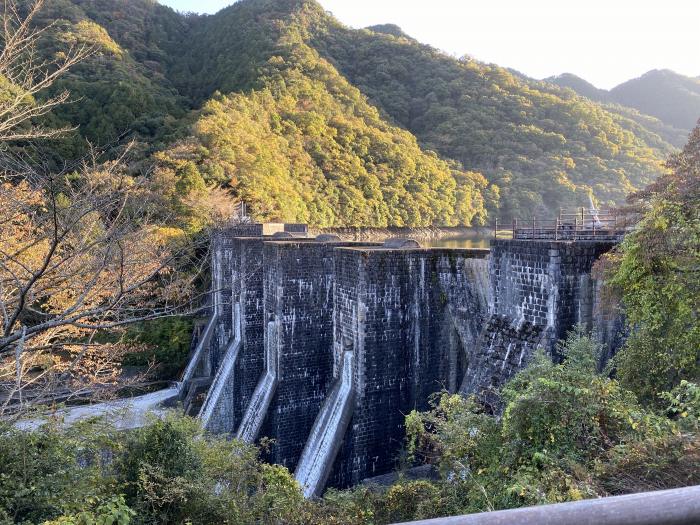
(24, 73)
(657, 273)
(79, 254)
(567, 432)
(82, 251)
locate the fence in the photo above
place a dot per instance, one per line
(582, 224)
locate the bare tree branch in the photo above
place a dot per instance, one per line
(83, 250)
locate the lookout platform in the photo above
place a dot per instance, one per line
(578, 225)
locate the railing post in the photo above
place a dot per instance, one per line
(495, 229)
(556, 226)
(533, 228)
(515, 226)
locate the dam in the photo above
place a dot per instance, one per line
(321, 346)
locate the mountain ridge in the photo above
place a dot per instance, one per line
(348, 120)
(672, 98)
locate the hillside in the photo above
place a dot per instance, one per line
(308, 120)
(580, 86)
(543, 147)
(671, 98)
(118, 90)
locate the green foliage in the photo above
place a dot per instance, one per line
(636, 109)
(683, 404)
(567, 432)
(282, 121)
(172, 473)
(568, 410)
(168, 345)
(40, 478)
(657, 273)
(168, 472)
(544, 147)
(303, 144)
(112, 512)
(373, 505)
(114, 95)
(334, 162)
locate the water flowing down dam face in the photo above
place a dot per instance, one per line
(327, 433)
(243, 362)
(329, 344)
(540, 290)
(299, 290)
(394, 306)
(194, 366)
(222, 272)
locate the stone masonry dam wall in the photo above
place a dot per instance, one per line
(393, 311)
(539, 291)
(324, 346)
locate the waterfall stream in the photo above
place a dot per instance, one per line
(201, 347)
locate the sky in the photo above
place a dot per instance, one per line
(604, 41)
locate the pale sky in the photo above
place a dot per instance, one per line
(604, 41)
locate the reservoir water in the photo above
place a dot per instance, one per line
(464, 239)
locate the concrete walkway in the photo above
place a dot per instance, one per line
(124, 414)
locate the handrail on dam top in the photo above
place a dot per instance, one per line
(664, 507)
(582, 224)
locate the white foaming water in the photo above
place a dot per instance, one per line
(505, 359)
(480, 282)
(224, 375)
(327, 433)
(264, 391)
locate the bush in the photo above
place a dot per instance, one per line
(168, 343)
(112, 512)
(656, 273)
(51, 472)
(173, 473)
(567, 433)
(169, 472)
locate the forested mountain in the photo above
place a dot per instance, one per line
(580, 86)
(542, 146)
(121, 87)
(672, 98)
(309, 120)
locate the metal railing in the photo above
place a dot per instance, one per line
(664, 507)
(581, 224)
